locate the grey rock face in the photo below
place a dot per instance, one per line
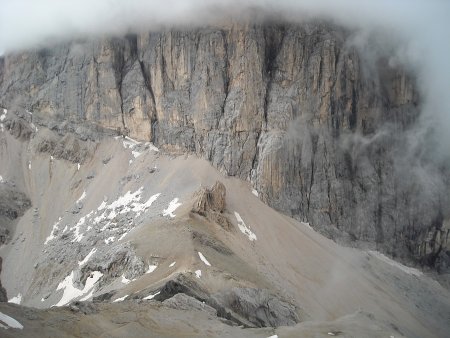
(297, 109)
(68, 147)
(86, 308)
(259, 307)
(182, 301)
(242, 306)
(3, 296)
(13, 204)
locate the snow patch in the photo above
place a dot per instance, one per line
(125, 280)
(78, 166)
(89, 255)
(244, 229)
(152, 296)
(172, 264)
(126, 203)
(308, 225)
(71, 292)
(141, 207)
(102, 206)
(404, 268)
(198, 273)
(110, 240)
(82, 197)
(1, 179)
(151, 146)
(2, 117)
(29, 165)
(151, 268)
(16, 300)
(255, 192)
(136, 153)
(123, 236)
(77, 228)
(11, 322)
(129, 143)
(173, 205)
(121, 299)
(52, 233)
(204, 260)
(105, 218)
(274, 336)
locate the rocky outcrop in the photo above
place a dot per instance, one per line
(13, 204)
(250, 307)
(3, 296)
(182, 301)
(121, 261)
(259, 307)
(68, 147)
(297, 109)
(210, 199)
(210, 203)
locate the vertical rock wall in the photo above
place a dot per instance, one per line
(318, 129)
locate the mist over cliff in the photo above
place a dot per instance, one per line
(351, 95)
(416, 30)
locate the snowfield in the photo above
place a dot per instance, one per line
(10, 322)
(71, 292)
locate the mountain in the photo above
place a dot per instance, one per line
(174, 171)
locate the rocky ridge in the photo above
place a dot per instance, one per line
(136, 231)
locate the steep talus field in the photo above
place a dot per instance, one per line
(138, 240)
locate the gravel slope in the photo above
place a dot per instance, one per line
(129, 192)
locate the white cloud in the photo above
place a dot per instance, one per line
(421, 27)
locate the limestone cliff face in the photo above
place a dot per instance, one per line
(293, 108)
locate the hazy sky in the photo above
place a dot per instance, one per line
(422, 27)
